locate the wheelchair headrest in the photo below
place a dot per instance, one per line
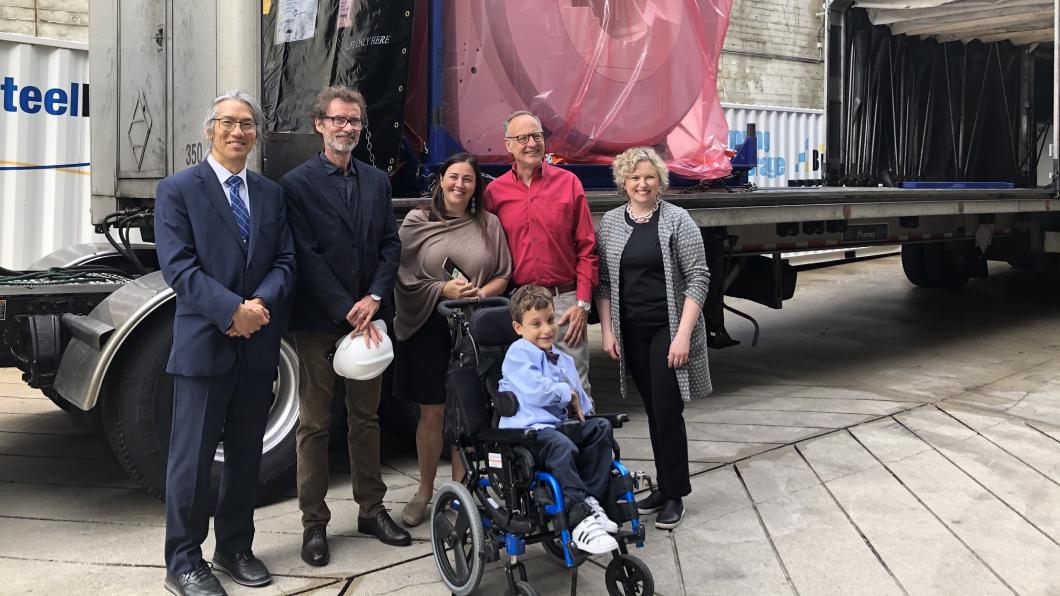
(492, 326)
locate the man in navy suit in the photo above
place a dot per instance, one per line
(346, 238)
(225, 248)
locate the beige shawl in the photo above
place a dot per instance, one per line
(424, 246)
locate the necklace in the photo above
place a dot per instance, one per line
(641, 218)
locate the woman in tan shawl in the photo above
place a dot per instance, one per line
(452, 226)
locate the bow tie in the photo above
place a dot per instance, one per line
(553, 357)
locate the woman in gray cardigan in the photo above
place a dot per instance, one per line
(653, 282)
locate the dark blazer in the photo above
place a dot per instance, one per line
(330, 259)
(206, 263)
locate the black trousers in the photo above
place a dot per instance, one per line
(645, 350)
(236, 406)
(582, 469)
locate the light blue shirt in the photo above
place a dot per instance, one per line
(542, 388)
(223, 175)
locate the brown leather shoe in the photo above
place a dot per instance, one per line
(415, 510)
(384, 528)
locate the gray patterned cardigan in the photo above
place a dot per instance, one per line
(686, 273)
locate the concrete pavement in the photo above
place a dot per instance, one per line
(881, 440)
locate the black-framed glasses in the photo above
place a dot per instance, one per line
(228, 125)
(524, 139)
(342, 121)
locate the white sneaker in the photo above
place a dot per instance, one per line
(601, 516)
(591, 538)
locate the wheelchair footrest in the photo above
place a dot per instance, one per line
(627, 536)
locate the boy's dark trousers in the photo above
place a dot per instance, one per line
(581, 469)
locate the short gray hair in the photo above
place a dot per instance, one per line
(518, 113)
(243, 96)
(627, 161)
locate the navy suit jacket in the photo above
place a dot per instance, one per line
(204, 260)
(329, 247)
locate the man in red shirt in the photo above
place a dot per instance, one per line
(545, 215)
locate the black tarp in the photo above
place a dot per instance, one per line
(364, 44)
(916, 109)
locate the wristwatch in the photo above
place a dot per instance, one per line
(584, 305)
(376, 297)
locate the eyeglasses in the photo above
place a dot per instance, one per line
(228, 125)
(524, 139)
(342, 121)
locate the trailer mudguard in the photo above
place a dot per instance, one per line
(83, 367)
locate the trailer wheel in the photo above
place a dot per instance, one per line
(943, 268)
(933, 265)
(915, 266)
(137, 411)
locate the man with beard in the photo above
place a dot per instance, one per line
(346, 240)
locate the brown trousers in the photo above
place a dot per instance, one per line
(316, 390)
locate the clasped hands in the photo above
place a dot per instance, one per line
(460, 289)
(249, 318)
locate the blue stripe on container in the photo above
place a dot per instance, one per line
(51, 167)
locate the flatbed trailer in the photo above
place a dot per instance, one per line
(91, 325)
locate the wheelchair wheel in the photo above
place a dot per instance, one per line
(457, 539)
(523, 589)
(627, 575)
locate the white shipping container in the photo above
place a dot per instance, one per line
(790, 141)
(44, 160)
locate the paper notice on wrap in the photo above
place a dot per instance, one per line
(345, 16)
(296, 20)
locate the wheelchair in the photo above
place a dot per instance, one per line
(505, 501)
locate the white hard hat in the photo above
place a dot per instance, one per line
(355, 360)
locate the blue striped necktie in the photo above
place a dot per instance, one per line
(238, 208)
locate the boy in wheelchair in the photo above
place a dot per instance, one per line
(531, 471)
(546, 385)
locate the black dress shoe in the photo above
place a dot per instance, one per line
(244, 568)
(315, 546)
(197, 582)
(384, 528)
(670, 516)
(652, 503)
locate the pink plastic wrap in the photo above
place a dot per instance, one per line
(602, 75)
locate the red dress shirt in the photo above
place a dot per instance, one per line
(550, 232)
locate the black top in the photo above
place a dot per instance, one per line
(346, 188)
(345, 184)
(339, 262)
(642, 282)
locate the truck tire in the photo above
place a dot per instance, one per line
(933, 265)
(915, 266)
(943, 268)
(137, 411)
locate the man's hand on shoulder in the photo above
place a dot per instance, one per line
(576, 320)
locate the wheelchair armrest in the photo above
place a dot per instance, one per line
(506, 435)
(505, 403)
(572, 428)
(616, 420)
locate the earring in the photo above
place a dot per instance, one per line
(472, 206)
